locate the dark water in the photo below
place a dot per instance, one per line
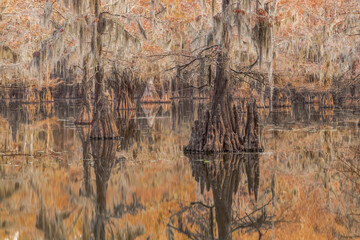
(57, 184)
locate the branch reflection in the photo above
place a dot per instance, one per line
(222, 176)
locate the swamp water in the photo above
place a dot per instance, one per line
(57, 184)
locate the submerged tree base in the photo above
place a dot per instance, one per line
(85, 116)
(220, 131)
(103, 125)
(125, 103)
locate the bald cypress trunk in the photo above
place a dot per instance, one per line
(220, 130)
(85, 116)
(103, 124)
(124, 87)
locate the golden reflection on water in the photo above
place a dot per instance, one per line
(57, 184)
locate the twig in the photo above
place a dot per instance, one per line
(181, 67)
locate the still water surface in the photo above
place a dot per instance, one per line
(57, 184)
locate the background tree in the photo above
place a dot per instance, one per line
(317, 42)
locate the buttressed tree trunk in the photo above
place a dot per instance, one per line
(103, 124)
(85, 116)
(124, 88)
(220, 130)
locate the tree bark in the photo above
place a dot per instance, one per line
(85, 116)
(124, 87)
(103, 124)
(220, 130)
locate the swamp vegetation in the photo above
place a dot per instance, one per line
(179, 119)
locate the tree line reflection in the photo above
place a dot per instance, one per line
(219, 175)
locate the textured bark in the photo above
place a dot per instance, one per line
(251, 138)
(103, 125)
(123, 86)
(85, 116)
(124, 102)
(220, 130)
(45, 95)
(31, 96)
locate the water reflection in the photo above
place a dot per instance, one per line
(306, 115)
(115, 186)
(128, 130)
(104, 154)
(84, 135)
(222, 175)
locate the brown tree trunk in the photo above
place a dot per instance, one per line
(124, 87)
(31, 95)
(220, 130)
(103, 125)
(85, 116)
(123, 100)
(251, 139)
